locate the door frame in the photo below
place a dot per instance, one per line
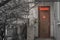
(39, 21)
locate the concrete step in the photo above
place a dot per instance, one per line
(44, 39)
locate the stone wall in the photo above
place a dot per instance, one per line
(57, 20)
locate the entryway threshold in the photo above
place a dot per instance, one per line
(44, 39)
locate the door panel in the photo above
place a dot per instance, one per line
(44, 22)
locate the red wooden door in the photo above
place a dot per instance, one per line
(44, 21)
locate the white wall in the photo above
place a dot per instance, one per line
(57, 20)
(35, 15)
(54, 16)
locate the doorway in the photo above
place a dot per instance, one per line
(44, 21)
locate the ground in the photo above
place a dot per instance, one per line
(45, 39)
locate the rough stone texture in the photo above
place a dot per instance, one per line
(30, 30)
(13, 14)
